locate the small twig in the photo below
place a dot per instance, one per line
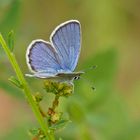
(54, 116)
(42, 112)
(55, 103)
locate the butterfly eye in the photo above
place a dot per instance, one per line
(76, 78)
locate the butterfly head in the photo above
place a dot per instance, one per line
(76, 77)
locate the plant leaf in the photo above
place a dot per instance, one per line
(34, 131)
(60, 124)
(11, 40)
(15, 81)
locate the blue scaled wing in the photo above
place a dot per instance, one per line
(42, 58)
(66, 39)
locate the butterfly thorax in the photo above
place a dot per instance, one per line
(65, 76)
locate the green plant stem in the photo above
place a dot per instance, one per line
(26, 90)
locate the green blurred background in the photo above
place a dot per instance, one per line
(110, 40)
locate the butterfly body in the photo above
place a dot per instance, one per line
(60, 77)
(57, 59)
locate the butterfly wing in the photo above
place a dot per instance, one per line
(42, 58)
(66, 39)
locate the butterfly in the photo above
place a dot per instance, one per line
(57, 59)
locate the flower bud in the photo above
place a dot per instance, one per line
(58, 88)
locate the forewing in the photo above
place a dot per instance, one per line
(66, 38)
(42, 57)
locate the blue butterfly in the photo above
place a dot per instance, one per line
(57, 59)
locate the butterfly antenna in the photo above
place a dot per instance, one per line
(90, 68)
(89, 82)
